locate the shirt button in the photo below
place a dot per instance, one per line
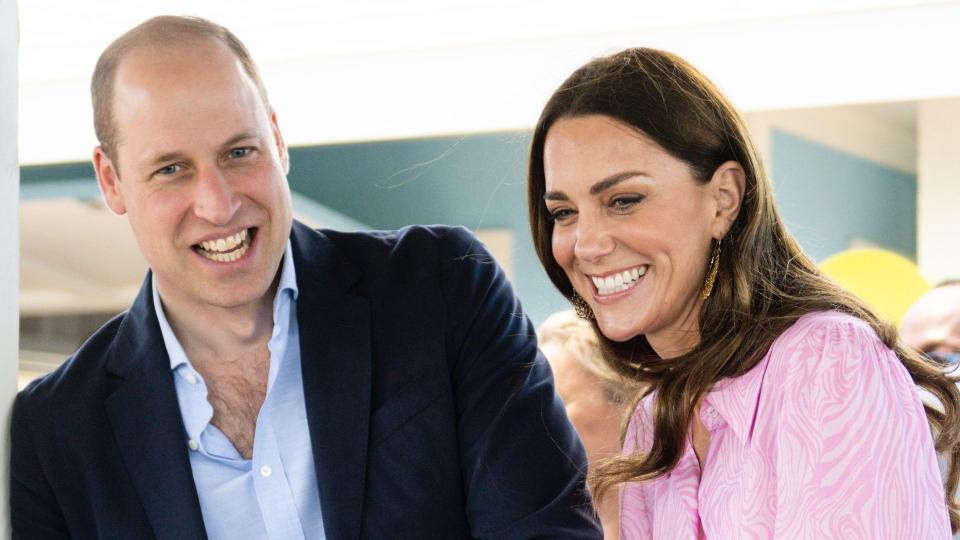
(266, 470)
(711, 412)
(193, 445)
(191, 378)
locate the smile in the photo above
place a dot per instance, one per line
(620, 281)
(228, 248)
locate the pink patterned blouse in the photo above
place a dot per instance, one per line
(824, 438)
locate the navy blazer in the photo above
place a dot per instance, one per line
(431, 412)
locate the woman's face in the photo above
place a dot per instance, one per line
(632, 229)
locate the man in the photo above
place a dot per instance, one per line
(932, 324)
(271, 381)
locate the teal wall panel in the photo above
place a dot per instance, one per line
(477, 181)
(828, 197)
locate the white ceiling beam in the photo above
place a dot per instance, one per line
(380, 70)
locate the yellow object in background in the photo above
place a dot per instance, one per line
(888, 282)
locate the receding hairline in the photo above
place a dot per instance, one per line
(159, 33)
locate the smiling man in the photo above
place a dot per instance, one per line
(272, 381)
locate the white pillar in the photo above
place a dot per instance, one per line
(938, 188)
(9, 241)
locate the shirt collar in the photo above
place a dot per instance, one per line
(737, 399)
(288, 282)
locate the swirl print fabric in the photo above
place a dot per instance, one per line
(824, 438)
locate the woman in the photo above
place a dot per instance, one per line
(776, 404)
(591, 392)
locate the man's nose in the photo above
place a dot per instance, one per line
(593, 239)
(214, 198)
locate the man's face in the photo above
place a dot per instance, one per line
(932, 324)
(199, 168)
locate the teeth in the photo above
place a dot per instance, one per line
(225, 244)
(618, 282)
(226, 249)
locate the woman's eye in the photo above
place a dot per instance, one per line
(625, 202)
(560, 214)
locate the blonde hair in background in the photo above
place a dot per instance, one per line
(576, 335)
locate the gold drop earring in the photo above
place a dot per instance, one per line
(581, 307)
(714, 267)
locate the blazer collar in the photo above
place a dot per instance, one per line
(147, 424)
(334, 320)
(334, 326)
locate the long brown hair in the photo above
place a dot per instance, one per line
(765, 281)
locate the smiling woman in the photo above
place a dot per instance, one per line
(766, 385)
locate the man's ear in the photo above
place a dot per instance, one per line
(727, 185)
(109, 180)
(278, 140)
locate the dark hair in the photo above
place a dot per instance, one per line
(157, 32)
(764, 284)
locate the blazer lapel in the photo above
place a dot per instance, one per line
(148, 427)
(335, 352)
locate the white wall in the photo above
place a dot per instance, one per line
(881, 133)
(9, 197)
(349, 71)
(938, 189)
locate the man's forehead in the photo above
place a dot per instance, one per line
(944, 301)
(172, 59)
(184, 102)
(935, 316)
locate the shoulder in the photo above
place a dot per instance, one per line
(447, 255)
(823, 328)
(827, 340)
(82, 378)
(432, 238)
(833, 358)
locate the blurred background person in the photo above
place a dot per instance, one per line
(932, 324)
(592, 393)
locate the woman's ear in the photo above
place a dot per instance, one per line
(727, 184)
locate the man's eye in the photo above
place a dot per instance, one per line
(169, 170)
(237, 153)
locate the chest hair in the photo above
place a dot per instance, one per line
(236, 389)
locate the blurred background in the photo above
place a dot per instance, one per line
(419, 111)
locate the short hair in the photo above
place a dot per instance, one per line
(157, 32)
(578, 336)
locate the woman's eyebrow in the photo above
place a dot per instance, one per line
(613, 180)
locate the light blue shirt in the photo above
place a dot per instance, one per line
(273, 495)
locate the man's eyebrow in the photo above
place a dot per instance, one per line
(180, 156)
(239, 137)
(599, 187)
(166, 158)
